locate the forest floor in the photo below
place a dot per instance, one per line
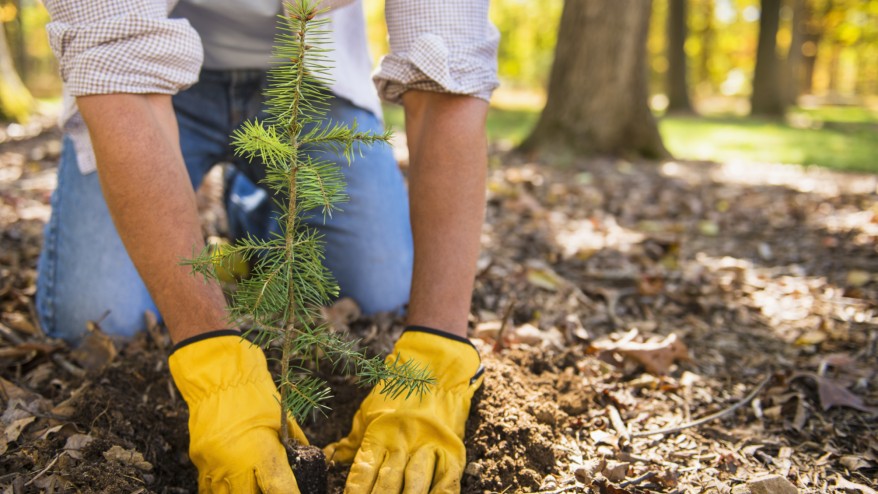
(613, 300)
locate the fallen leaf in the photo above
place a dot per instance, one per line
(603, 437)
(857, 278)
(340, 314)
(20, 323)
(814, 337)
(487, 329)
(847, 485)
(544, 277)
(77, 442)
(128, 457)
(655, 356)
(708, 228)
(13, 430)
(854, 463)
(615, 471)
(771, 484)
(586, 472)
(833, 394)
(95, 351)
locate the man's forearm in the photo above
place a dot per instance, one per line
(148, 192)
(448, 161)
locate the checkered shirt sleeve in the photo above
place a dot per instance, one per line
(122, 46)
(447, 46)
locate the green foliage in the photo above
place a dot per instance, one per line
(528, 31)
(289, 283)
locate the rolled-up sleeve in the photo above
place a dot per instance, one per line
(122, 46)
(446, 46)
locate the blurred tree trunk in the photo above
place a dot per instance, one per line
(813, 33)
(597, 98)
(767, 98)
(707, 39)
(678, 91)
(834, 68)
(793, 67)
(15, 100)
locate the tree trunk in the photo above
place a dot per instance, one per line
(767, 98)
(597, 98)
(708, 36)
(795, 56)
(678, 92)
(15, 100)
(810, 47)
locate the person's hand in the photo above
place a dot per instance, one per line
(234, 415)
(416, 442)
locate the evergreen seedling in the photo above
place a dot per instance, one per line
(281, 299)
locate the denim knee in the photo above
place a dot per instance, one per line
(84, 273)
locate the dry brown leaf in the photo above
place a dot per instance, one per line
(20, 323)
(615, 471)
(834, 394)
(848, 486)
(128, 457)
(854, 462)
(343, 312)
(77, 442)
(13, 430)
(95, 351)
(655, 356)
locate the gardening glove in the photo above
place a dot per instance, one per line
(234, 415)
(416, 442)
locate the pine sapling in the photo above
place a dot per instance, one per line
(281, 299)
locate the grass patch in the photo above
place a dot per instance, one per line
(844, 144)
(841, 138)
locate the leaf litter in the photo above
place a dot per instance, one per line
(613, 300)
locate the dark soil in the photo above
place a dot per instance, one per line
(762, 274)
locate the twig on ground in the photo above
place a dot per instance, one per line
(618, 423)
(57, 358)
(648, 475)
(498, 344)
(704, 420)
(50, 465)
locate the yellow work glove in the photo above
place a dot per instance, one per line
(415, 443)
(234, 415)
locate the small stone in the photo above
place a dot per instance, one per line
(549, 483)
(586, 472)
(771, 484)
(615, 471)
(473, 469)
(741, 489)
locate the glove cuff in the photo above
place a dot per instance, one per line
(437, 332)
(203, 336)
(213, 364)
(452, 359)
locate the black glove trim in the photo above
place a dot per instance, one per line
(204, 336)
(437, 332)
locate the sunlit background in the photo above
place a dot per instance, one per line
(830, 63)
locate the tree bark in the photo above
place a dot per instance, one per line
(597, 98)
(678, 90)
(767, 98)
(708, 37)
(795, 56)
(15, 100)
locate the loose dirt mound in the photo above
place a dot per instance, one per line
(613, 300)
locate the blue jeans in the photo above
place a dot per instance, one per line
(85, 274)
